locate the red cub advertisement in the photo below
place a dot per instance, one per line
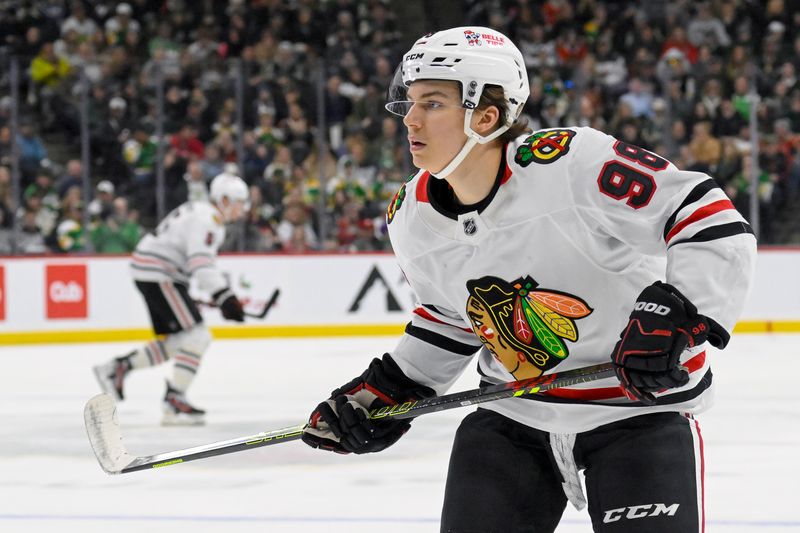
(67, 294)
(2, 292)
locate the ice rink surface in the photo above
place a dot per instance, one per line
(50, 481)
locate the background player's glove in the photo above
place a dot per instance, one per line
(229, 305)
(341, 424)
(662, 325)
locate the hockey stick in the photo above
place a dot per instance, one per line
(260, 314)
(267, 306)
(102, 427)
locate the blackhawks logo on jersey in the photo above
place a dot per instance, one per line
(397, 201)
(524, 327)
(544, 147)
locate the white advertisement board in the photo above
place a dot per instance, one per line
(72, 294)
(59, 299)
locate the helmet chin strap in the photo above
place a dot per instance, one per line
(452, 165)
(472, 139)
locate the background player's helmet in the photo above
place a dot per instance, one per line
(473, 56)
(230, 186)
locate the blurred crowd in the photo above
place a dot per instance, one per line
(677, 77)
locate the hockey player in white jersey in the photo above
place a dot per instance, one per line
(184, 246)
(540, 252)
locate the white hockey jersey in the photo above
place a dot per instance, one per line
(185, 244)
(542, 275)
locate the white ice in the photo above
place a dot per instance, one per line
(50, 481)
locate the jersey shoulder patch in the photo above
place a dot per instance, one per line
(544, 147)
(207, 212)
(397, 201)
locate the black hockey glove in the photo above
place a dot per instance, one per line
(662, 325)
(340, 424)
(229, 305)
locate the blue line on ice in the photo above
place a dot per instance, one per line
(329, 519)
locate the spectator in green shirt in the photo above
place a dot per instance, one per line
(140, 153)
(119, 232)
(740, 98)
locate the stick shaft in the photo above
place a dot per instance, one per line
(105, 436)
(258, 440)
(491, 393)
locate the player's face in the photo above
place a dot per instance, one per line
(435, 123)
(234, 210)
(239, 209)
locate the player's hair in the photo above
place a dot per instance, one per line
(493, 95)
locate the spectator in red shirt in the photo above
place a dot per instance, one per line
(677, 39)
(186, 143)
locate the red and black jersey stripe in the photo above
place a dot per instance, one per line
(440, 341)
(674, 229)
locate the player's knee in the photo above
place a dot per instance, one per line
(197, 339)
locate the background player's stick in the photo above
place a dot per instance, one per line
(100, 417)
(261, 314)
(267, 306)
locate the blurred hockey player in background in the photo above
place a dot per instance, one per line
(184, 246)
(535, 250)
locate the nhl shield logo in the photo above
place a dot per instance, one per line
(470, 227)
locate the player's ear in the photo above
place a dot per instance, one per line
(486, 120)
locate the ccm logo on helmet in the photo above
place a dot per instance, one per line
(652, 308)
(66, 292)
(640, 511)
(411, 57)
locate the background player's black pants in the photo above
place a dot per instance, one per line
(642, 474)
(170, 306)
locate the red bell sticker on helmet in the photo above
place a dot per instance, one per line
(67, 294)
(472, 38)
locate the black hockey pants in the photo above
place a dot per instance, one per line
(643, 474)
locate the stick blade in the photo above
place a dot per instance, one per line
(102, 427)
(267, 306)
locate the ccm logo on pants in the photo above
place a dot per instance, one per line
(640, 511)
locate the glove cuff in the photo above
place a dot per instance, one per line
(221, 295)
(388, 376)
(383, 380)
(718, 337)
(671, 289)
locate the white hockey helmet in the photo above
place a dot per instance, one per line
(475, 57)
(230, 186)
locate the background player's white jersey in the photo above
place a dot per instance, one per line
(542, 275)
(185, 244)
